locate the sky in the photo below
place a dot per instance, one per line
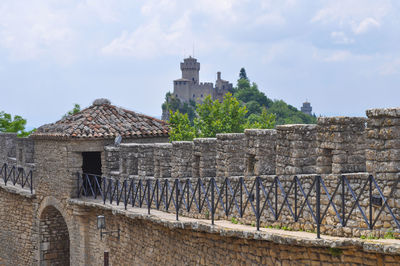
(343, 56)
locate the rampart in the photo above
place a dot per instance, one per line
(286, 160)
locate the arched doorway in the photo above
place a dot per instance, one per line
(54, 238)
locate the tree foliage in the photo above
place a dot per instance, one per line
(180, 126)
(75, 110)
(13, 125)
(173, 104)
(242, 74)
(255, 100)
(214, 117)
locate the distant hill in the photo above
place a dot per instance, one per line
(249, 95)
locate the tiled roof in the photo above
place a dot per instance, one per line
(104, 121)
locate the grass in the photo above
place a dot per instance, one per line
(336, 252)
(234, 220)
(389, 235)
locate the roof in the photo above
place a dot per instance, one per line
(182, 79)
(104, 121)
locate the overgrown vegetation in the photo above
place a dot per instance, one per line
(213, 117)
(14, 124)
(76, 109)
(250, 108)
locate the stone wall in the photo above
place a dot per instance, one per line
(383, 142)
(204, 158)
(341, 145)
(17, 234)
(7, 146)
(260, 150)
(230, 154)
(296, 149)
(162, 160)
(182, 152)
(154, 242)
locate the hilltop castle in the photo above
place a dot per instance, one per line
(189, 88)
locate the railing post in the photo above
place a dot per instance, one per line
(258, 202)
(117, 184)
(318, 192)
(241, 196)
(187, 194)
(77, 181)
(226, 197)
(148, 197)
(110, 183)
(104, 190)
(343, 202)
(212, 200)
(276, 198)
(370, 202)
(125, 195)
(31, 177)
(177, 199)
(295, 199)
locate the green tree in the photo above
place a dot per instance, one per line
(242, 74)
(263, 121)
(180, 127)
(214, 117)
(75, 110)
(173, 104)
(14, 125)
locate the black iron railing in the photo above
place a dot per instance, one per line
(237, 195)
(17, 175)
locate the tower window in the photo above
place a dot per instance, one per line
(194, 95)
(202, 96)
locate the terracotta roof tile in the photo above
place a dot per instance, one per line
(106, 121)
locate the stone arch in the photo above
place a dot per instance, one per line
(54, 236)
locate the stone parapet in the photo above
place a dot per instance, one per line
(260, 150)
(181, 161)
(383, 142)
(296, 149)
(230, 154)
(204, 157)
(341, 145)
(162, 160)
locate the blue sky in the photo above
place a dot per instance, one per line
(342, 55)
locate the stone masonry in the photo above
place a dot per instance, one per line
(51, 226)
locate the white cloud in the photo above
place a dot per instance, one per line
(365, 25)
(340, 37)
(358, 15)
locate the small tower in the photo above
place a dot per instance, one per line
(190, 69)
(306, 108)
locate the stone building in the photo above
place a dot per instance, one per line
(188, 87)
(83, 136)
(306, 108)
(55, 224)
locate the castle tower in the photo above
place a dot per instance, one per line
(190, 69)
(306, 108)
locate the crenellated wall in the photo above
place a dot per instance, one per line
(353, 146)
(260, 151)
(230, 154)
(296, 149)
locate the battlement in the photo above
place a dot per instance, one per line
(333, 145)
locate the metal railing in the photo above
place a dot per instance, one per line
(239, 195)
(17, 175)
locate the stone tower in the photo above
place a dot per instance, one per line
(190, 69)
(306, 108)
